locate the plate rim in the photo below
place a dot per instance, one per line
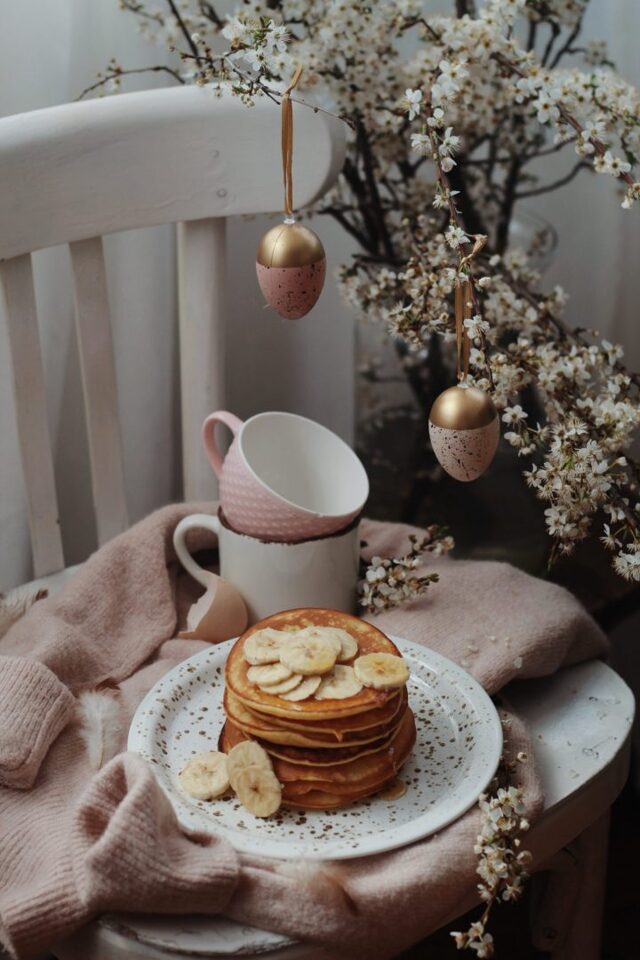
(386, 841)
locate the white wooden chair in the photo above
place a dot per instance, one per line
(203, 158)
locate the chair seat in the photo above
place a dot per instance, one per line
(579, 720)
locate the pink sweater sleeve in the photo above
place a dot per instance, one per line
(34, 707)
(110, 617)
(117, 846)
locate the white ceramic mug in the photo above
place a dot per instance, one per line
(273, 576)
(285, 477)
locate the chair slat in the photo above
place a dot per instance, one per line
(93, 327)
(16, 277)
(201, 285)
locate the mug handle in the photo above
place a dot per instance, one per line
(192, 522)
(209, 436)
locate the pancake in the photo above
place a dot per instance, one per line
(315, 735)
(365, 771)
(313, 754)
(298, 791)
(338, 726)
(321, 758)
(325, 800)
(369, 639)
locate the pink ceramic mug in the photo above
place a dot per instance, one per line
(284, 477)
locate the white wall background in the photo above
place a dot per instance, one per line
(49, 51)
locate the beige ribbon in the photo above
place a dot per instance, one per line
(464, 310)
(287, 143)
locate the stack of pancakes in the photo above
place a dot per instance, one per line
(325, 753)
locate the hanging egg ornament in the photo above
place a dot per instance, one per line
(464, 429)
(291, 267)
(291, 262)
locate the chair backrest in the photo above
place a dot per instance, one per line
(69, 175)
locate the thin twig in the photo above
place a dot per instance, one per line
(566, 47)
(370, 177)
(139, 10)
(193, 46)
(208, 11)
(117, 74)
(575, 170)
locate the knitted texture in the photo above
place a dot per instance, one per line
(79, 843)
(34, 708)
(117, 847)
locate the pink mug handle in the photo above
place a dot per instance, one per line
(209, 436)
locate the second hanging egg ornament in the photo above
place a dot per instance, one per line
(464, 430)
(291, 262)
(464, 427)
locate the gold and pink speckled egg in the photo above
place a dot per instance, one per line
(291, 267)
(464, 429)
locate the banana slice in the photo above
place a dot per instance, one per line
(382, 671)
(339, 684)
(348, 645)
(330, 635)
(263, 646)
(243, 755)
(308, 686)
(285, 686)
(310, 652)
(268, 673)
(258, 790)
(205, 776)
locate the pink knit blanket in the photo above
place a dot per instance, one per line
(78, 838)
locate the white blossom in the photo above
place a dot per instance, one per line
(611, 165)
(476, 327)
(456, 236)
(449, 142)
(412, 102)
(421, 143)
(235, 30)
(514, 414)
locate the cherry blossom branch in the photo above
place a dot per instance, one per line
(274, 95)
(502, 863)
(571, 402)
(568, 333)
(597, 144)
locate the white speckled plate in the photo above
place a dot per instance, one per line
(455, 756)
